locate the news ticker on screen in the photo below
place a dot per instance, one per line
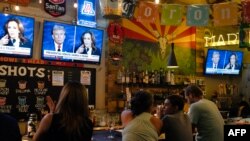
(237, 132)
(74, 56)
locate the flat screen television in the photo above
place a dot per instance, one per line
(220, 62)
(65, 42)
(16, 35)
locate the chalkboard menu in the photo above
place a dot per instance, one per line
(24, 87)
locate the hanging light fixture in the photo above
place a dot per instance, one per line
(172, 63)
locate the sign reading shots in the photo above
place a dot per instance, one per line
(86, 13)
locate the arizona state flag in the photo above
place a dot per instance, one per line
(171, 14)
(225, 14)
(147, 12)
(246, 11)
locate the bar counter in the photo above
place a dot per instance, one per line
(101, 134)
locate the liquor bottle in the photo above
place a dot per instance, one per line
(127, 77)
(168, 76)
(123, 75)
(161, 76)
(134, 78)
(119, 77)
(157, 77)
(146, 77)
(172, 79)
(192, 79)
(152, 78)
(32, 125)
(141, 77)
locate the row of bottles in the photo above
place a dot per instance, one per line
(145, 77)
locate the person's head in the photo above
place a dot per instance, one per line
(14, 28)
(58, 34)
(173, 104)
(233, 59)
(141, 102)
(73, 100)
(88, 39)
(216, 57)
(193, 93)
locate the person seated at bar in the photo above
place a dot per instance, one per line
(176, 125)
(70, 121)
(204, 116)
(139, 124)
(244, 109)
(9, 129)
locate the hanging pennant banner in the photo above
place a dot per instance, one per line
(246, 11)
(197, 15)
(147, 12)
(86, 13)
(225, 14)
(128, 8)
(171, 14)
(55, 8)
(244, 35)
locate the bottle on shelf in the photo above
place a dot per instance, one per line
(162, 76)
(119, 77)
(127, 77)
(172, 79)
(134, 78)
(146, 77)
(157, 77)
(192, 79)
(168, 78)
(32, 125)
(141, 77)
(123, 75)
(152, 78)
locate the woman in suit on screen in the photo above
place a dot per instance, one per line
(88, 44)
(233, 62)
(14, 34)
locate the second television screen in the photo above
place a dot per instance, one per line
(65, 42)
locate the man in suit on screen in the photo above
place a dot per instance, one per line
(58, 35)
(59, 43)
(215, 61)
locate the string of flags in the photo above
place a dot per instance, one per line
(219, 14)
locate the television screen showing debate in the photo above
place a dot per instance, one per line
(16, 35)
(223, 62)
(71, 43)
